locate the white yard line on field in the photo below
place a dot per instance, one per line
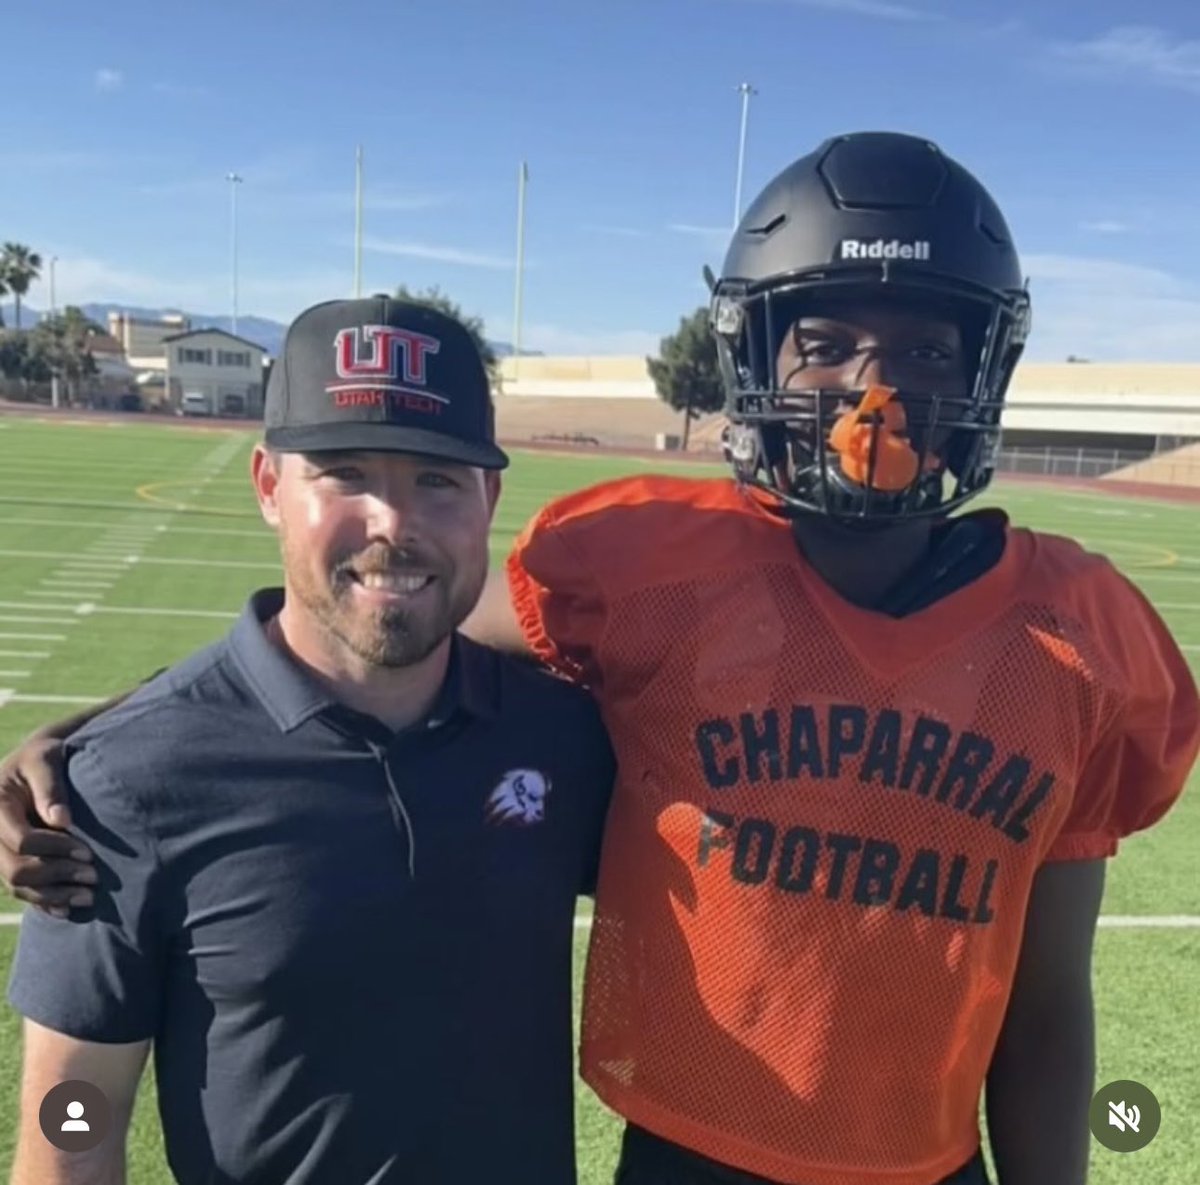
(143, 534)
(86, 608)
(100, 578)
(85, 577)
(1106, 921)
(14, 697)
(27, 606)
(9, 619)
(84, 588)
(191, 562)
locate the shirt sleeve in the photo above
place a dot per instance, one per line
(1138, 769)
(559, 599)
(98, 975)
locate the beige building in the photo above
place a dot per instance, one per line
(213, 373)
(141, 340)
(1147, 399)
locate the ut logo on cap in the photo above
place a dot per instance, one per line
(391, 353)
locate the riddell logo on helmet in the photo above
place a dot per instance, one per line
(884, 249)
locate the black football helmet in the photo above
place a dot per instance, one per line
(875, 217)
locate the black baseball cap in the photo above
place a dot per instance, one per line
(382, 374)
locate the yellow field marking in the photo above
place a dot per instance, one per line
(1160, 557)
(149, 493)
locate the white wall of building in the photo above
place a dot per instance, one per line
(218, 367)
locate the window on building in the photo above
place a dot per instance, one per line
(203, 357)
(233, 358)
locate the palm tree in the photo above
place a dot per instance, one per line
(19, 267)
(3, 293)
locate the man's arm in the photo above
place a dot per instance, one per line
(1042, 1075)
(493, 621)
(51, 1058)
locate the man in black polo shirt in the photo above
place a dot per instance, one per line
(339, 850)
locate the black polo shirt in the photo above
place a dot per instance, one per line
(352, 948)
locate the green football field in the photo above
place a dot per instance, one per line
(123, 547)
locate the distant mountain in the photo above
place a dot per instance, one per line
(260, 330)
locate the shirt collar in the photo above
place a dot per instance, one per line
(292, 697)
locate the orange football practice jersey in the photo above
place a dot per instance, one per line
(827, 821)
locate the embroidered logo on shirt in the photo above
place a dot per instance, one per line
(519, 799)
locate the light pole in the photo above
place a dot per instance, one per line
(234, 181)
(522, 181)
(745, 90)
(53, 320)
(358, 221)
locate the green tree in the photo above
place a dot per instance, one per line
(435, 298)
(14, 354)
(19, 267)
(686, 373)
(61, 345)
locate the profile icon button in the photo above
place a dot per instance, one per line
(75, 1116)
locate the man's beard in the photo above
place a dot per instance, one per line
(389, 636)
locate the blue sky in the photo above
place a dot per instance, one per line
(122, 119)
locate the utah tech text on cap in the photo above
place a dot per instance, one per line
(382, 374)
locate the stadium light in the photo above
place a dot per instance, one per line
(745, 90)
(234, 181)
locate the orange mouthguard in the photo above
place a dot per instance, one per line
(896, 461)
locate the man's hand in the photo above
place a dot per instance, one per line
(40, 862)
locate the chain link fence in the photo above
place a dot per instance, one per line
(1176, 466)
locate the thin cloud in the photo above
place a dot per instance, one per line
(619, 232)
(1110, 310)
(108, 79)
(700, 232)
(436, 252)
(1084, 270)
(549, 338)
(384, 199)
(1106, 226)
(189, 187)
(278, 174)
(51, 160)
(1139, 52)
(82, 279)
(881, 10)
(403, 202)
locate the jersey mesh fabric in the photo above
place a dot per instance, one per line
(827, 823)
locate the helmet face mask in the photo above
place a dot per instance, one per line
(866, 389)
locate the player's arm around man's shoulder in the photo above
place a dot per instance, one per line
(90, 988)
(493, 621)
